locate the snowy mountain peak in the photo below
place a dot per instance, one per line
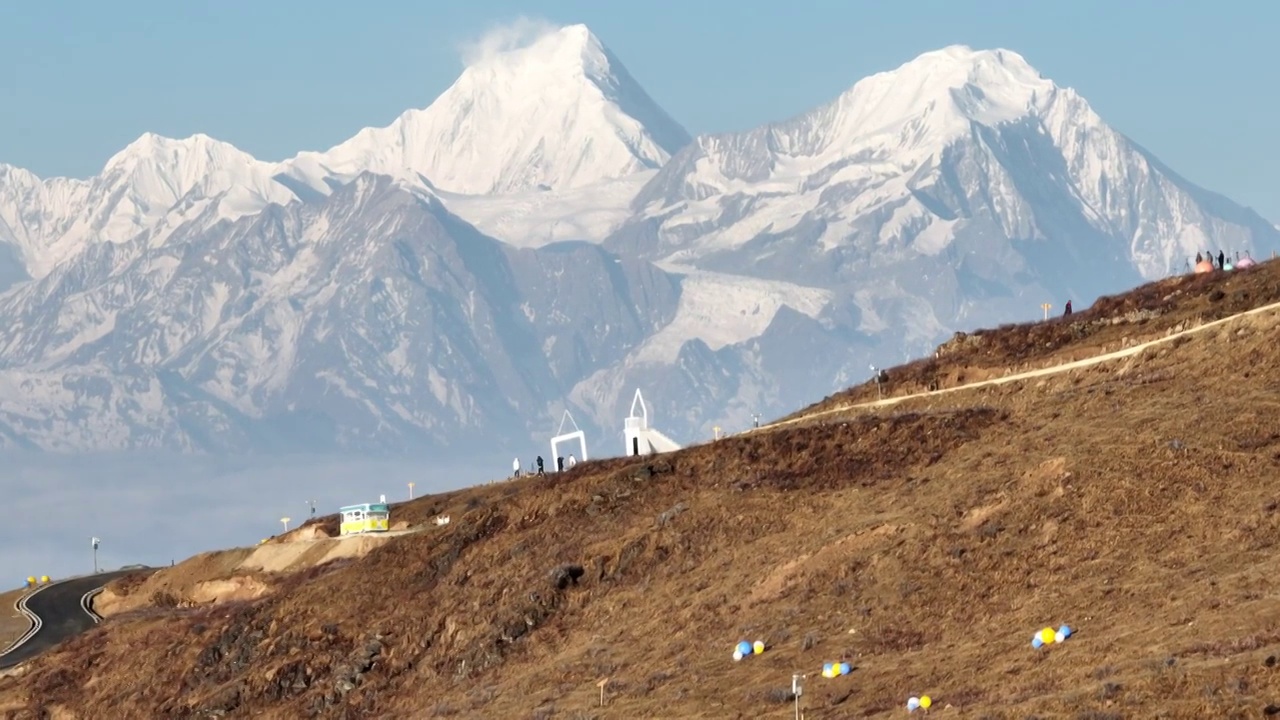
(52, 220)
(941, 92)
(558, 111)
(150, 147)
(568, 51)
(165, 169)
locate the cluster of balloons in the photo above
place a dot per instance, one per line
(1049, 636)
(830, 670)
(919, 703)
(31, 581)
(745, 648)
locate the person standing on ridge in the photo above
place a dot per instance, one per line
(515, 468)
(1222, 260)
(541, 471)
(1067, 311)
(572, 460)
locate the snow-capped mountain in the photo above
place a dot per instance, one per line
(429, 283)
(558, 114)
(965, 169)
(373, 320)
(48, 221)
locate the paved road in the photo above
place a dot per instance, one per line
(62, 609)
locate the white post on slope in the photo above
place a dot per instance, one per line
(410, 491)
(1045, 307)
(797, 688)
(94, 542)
(286, 520)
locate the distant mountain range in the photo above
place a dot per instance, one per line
(544, 237)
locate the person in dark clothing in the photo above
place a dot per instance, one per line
(540, 470)
(1067, 311)
(560, 464)
(1222, 260)
(1199, 258)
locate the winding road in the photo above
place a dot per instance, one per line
(57, 611)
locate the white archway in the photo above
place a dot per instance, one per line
(565, 437)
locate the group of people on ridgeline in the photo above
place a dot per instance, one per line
(1218, 263)
(1223, 261)
(538, 469)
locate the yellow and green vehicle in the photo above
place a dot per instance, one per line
(364, 518)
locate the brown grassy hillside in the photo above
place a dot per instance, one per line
(1111, 323)
(1136, 500)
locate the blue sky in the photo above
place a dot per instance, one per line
(1195, 83)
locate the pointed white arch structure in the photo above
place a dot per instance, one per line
(564, 437)
(639, 438)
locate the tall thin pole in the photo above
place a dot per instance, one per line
(94, 542)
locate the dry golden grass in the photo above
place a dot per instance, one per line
(1111, 323)
(1135, 500)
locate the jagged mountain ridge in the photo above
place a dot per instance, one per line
(375, 320)
(49, 221)
(559, 114)
(960, 189)
(907, 163)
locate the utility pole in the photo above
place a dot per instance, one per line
(94, 542)
(1045, 307)
(797, 689)
(312, 505)
(285, 520)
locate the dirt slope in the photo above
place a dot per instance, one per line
(924, 544)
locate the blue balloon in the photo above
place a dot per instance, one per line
(1066, 631)
(826, 668)
(744, 647)
(1036, 642)
(844, 668)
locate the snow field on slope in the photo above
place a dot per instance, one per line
(722, 310)
(535, 218)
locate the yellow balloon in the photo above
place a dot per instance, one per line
(1046, 636)
(44, 578)
(925, 701)
(757, 647)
